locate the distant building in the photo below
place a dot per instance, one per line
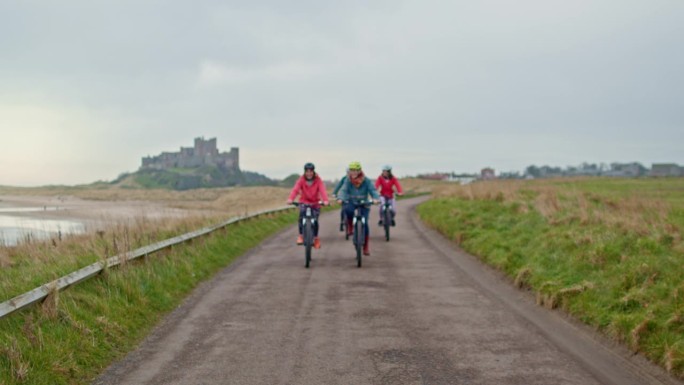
(462, 178)
(449, 177)
(510, 175)
(204, 153)
(666, 169)
(626, 170)
(434, 176)
(487, 173)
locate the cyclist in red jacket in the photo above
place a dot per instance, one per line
(386, 183)
(311, 190)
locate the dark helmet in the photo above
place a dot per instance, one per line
(309, 166)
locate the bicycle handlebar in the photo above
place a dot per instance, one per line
(307, 204)
(361, 203)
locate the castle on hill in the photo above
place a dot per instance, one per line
(205, 153)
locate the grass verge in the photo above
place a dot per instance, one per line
(607, 251)
(75, 334)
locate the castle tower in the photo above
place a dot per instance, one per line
(204, 148)
(235, 156)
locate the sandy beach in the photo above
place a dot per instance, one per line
(74, 208)
(94, 211)
(119, 204)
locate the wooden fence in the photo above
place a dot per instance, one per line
(41, 292)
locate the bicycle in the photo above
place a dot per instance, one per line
(359, 222)
(343, 223)
(387, 218)
(308, 223)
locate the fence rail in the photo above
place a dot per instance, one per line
(41, 292)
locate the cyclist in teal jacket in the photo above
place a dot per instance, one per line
(355, 189)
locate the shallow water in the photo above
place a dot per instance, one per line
(28, 209)
(14, 229)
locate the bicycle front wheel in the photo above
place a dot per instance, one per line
(360, 239)
(308, 242)
(387, 222)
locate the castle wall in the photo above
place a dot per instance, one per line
(203, 153)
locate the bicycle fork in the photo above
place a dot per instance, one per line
(312, 219)
(355, 220)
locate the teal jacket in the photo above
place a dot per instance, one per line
(339, 185)
(351, 193)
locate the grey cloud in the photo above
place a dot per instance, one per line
(466, 81)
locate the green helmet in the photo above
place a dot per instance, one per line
(355, 166)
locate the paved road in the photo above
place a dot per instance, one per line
(419, 311)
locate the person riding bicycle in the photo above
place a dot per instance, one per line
(355, 189)
(334, 194)
(386, 183)
(311, 189)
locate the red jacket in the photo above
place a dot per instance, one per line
(384, 186)
(310, 194)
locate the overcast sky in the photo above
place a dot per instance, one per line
(87, 88)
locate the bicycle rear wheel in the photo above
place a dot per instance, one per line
(346, 228)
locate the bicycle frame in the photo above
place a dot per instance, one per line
(308, 223)
(359, 223)
(387, 218)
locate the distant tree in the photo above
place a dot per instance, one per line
(290, 180)
(120, 178)
(533, 171)
(590, 168)
(250, 178)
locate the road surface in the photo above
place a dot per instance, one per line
(419, 311)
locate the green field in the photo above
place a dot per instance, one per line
(607, 251)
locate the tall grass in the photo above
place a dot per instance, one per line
(608, 251)
(131, 218)
(33, 263)
(76, 333)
